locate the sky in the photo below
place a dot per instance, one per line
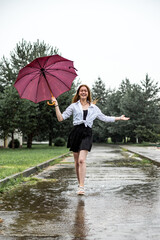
(110, 39)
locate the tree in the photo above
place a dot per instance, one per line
(131, 107)
(151, 116)
(24, 53)
(9, 113)
(116, 131)
(141, 104)
(7, 74)
(99, 93)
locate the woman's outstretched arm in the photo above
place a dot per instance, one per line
(58, 112)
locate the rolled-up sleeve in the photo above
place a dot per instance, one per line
(103, 117)
(68, 112)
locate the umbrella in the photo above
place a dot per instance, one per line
(45, 77)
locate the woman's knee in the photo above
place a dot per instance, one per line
(81, 160)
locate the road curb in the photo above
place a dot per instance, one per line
(142, 155)
(32, 170)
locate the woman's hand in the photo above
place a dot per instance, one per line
(54, 100)
(58, 112)
(124, 118)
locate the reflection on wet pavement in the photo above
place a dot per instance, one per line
(121, 202)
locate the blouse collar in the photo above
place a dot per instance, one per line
(79, 103)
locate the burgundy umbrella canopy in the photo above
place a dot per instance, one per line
(45, 77)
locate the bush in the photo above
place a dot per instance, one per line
(16, 143)
(59, 142)
(117, 138)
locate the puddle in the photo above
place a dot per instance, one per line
(121, 202)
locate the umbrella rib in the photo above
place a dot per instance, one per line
(58, 79)
(39, 64)
(64, 60)
(28, 84)
(55, 62)
(61, 70)
(59, 62)
(28, 74)
(37, 86)
(46, 61)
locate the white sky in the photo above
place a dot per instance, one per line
(111, 39)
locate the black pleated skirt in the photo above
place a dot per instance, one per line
(80, 138)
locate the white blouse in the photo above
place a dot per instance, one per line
(94, 112)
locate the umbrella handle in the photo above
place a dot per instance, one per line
(53, 103)
(50, 104)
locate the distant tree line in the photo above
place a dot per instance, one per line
(140, 102)
(38, 121)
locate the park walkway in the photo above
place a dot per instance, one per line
(121, 202)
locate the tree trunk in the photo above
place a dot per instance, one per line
(5, 141)
(29, 140)
(137, 140)
(12, 139)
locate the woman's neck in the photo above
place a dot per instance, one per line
(83, 102)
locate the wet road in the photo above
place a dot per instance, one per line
(121, 203)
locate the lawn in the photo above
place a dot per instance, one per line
(16, 160)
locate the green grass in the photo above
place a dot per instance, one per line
(20, 181)
(124, 150)
(16, 160)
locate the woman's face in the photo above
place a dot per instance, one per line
(83, 93)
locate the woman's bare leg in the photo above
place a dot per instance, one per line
(76, 156)
(82, 166)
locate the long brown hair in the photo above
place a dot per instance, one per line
(76, 96)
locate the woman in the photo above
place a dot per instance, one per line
(80, 139)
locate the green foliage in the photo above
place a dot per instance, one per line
(139, 102)
(7, 74)
(25, 52)
(59, 142)
(9, 111)
(113, 109)
(99, 92)
(16, 113)
(145, 134)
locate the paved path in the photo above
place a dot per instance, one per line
(121, 203)
(152, 153)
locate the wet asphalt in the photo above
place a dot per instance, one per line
(121, 202)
